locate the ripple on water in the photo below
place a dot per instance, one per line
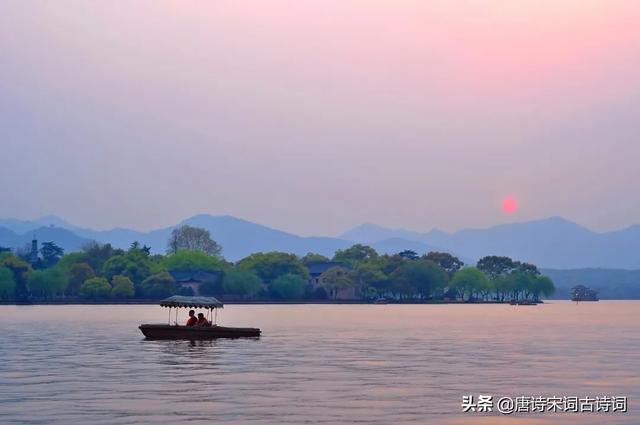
(314, 364)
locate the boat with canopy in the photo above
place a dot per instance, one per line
(176, 331)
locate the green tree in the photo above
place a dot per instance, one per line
(47, 283)
(503, 285)
(68, 260)
(21, 272)
(289, 286)
(78, 274)
(334, 280)
(526, 268)
(51, 254)
(389, 263)
(355, 254)
(408, 254)
(135, 246)
(313, 258)
(423, 278)
(486, 288)
(241, 282)
(96, 255)
(187, 260)
(542, 285)
(370, 274)
(469, 281)
(493, 266)
(268, 266)
(95, 288)
(159, 285)
(136, 264)
(193, 239)
(122, 287)
(7, 284)
(448, 262)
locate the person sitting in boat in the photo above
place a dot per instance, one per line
(192, 320)
(202, 321)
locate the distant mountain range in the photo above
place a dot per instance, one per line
(611, 284)
(553, 243)
(238, 237)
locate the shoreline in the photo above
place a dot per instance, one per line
(260, 302)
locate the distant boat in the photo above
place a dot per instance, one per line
(175, 331)
(582, 293)
(380, 301)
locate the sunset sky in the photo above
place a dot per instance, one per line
(314, 116)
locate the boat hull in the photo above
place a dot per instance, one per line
(196, 332)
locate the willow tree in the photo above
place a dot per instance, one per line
(334, 280)
(469, 281)
(193, 239)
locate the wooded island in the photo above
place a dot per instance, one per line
(193, 265)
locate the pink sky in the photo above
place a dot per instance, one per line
(314, 116)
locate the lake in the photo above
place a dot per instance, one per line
(317, 364)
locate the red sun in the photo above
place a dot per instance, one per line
(509, 205)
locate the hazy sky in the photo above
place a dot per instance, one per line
(313, 116)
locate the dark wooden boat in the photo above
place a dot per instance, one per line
(175, 331)
(196, 332)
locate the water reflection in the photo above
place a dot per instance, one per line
(315, 364)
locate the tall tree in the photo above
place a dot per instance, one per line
(21, 271)
(448, 262)
(47, 283)
(334, 280)
(96, 254)
(355, 254)
(408, 254)
(78, 274)
(370, 274)
(289, 286)
(194, 239)
(469, 281)
(122, 287)
(526, 268)
(241, 282)
(270, 265)
(187, 260)
(419, 277)
(136, 264)
(95, 288)
(313, 258)
(159, 285)
(494, 266)
(543, 285)
(7, 284)
(51, 253)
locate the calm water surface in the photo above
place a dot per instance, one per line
(377, 364)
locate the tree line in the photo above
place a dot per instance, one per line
(100, 271)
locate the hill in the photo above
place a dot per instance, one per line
(553, 243)
(610, 283)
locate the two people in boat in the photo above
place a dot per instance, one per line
(197, 321)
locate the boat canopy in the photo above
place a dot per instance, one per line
(191, 302)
